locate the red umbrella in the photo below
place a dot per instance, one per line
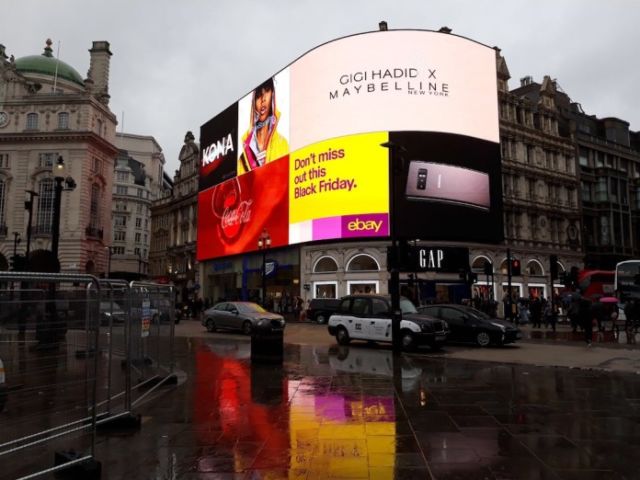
(609, 300)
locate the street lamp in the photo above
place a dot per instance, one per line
(61, 183)
(394, 280)
(264, 242)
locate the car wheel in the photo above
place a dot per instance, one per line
(342, 336)
(436, 347)
(320, 318)
(211, 325)
(247, 327)
(408, 341)
(483, 339)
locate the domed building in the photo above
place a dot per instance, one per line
(56, 127)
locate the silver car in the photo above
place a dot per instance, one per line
(243, 316)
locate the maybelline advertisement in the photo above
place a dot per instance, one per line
(301, 153)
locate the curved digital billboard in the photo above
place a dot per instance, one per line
(301, 155)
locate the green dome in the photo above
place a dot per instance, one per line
(46, 64)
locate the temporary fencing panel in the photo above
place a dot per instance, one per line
(49, 327)
(78, 354)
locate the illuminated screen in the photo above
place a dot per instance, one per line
(301, 155)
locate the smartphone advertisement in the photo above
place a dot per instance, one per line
(301, 154)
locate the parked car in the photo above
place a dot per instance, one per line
(320, 309)
(368, 317)
(469, 325)
(3, 387)
(111, 311)
(243, 316)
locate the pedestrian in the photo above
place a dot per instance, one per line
(536, 313)
(572, 313)
(586, 319)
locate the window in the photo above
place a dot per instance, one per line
(584, 157)
(117, 250)
(3, 189)
(96, 166)
(599, 159)
(94, 218)
(4, 160)
(140, 193)
(604, 230)
(146, 223)
(614, 189)
(119, 236)
(32, 121)
(356, 287)
(63, 120)
(325, 290)
(139, 208)
(601, 190)
(586, 192)
(120, 221)
(325, 264)
(45, 205)
(379, 307)
(138, 222)
(146, 238)
(47, 159)
(138, 236)
(362, 262)
(121, 206)
(361, 306)
(122, 176)
(136, 251)
(121, 190)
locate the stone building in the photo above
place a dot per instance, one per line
(50, 115)
(173, 225)
(138, 181)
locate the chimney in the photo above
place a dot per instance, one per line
(383, 26)
(99, 70)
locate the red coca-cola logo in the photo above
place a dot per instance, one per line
(233, 212)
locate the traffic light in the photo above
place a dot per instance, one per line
(515, 267)
(553, 266)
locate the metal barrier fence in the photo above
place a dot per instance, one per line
(78, 354)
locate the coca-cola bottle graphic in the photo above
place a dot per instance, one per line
(231, 211)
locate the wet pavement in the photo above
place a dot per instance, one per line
(358, 412)
(352, 412)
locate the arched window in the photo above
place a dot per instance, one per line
(325, 264)
(504, 267)
(534, 267)
(32, 121)
(362, 262)
(3, 194)
(45, 206)
(478, 264)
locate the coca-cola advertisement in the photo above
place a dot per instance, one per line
(233, 214)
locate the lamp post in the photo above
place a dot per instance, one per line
(61, 183)
(264, 242)
(28, 205)
(394, 280)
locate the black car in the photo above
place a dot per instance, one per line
(320, 309)
(469, 325)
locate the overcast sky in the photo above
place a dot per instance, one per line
(176, 63)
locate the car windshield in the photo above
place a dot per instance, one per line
(406, 306)
(477, 313)
(250, 307)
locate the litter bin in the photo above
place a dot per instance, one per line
(267, 341)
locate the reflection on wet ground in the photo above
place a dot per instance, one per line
(354, 412)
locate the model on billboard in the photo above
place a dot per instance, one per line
(262, 143)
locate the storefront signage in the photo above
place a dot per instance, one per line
(434, 259)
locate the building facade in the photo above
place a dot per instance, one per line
(174, 224)
(50, 116)
(138, 181)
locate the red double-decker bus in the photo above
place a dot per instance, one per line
(596, 283)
